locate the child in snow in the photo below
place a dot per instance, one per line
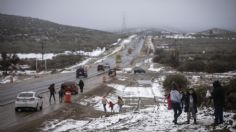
(111, 105)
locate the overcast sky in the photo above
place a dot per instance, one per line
(183, 15)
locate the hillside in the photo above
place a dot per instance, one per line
(216, 32)
(25, 34)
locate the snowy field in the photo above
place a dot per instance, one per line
(95, 52)
(149, 119)
(152, 118)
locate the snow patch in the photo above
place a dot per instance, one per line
(151, 68)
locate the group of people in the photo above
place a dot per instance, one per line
(62, 91)
(119, 102)
(188, 101)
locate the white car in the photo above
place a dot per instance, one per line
(28, 99)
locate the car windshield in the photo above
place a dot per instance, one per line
(26, 95)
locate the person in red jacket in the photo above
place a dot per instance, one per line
(111, 105)
(169, 102)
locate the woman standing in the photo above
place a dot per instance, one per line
(104, 103)
(191, 105)
(175, 97)
(120, 103)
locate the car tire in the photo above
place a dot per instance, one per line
(36, 108)
(16, 109)
(41, 107)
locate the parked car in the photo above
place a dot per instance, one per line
(28, 99)
(100, 68)
(70, 86)
(112, 72)
(81, 72)
(139, 70)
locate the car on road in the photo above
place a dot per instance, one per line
(28, 100)
(106, 66)
(100, 68)
(81, 72)
(139, 70)
(70, 86)
(112, 72)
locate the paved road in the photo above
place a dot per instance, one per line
(8, 92)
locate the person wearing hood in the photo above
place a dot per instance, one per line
(218, 100)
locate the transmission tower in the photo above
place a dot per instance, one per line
(123, 28)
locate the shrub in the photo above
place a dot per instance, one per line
(192, 66)
(230, 92)
(201, 94)
(62, 61)
(218, 66)
(180, 80)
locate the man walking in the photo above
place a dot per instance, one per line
(176, 101)
(61, 93)
(81, 85)
(52, 92)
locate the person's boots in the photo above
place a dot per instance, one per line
(175, 122)
(195, 121)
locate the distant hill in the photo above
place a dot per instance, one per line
(26, 34)
(216, 32)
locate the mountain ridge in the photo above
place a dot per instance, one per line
(26, 34)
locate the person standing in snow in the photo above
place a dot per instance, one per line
(61, 93)
(52, 92)
(191, 105)
(218, 100)
(208, 98)
(81, 85)
(175, 97)
(111, 105)
(120, 103)
(167, 98)
(104, 103)
(183, 99)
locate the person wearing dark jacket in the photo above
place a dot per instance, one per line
(81, 85)
(183, 99)
(52, 92)
(218, 99)
(61, 93)
(191, 105)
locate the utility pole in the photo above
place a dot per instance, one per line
(36, 64)
(42, 46)
(44, 62)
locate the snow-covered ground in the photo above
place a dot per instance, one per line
(180, 36)
(95, 52)
(152, 118)
(151, 68)
(149, 119)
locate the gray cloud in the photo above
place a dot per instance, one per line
(185, 15)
